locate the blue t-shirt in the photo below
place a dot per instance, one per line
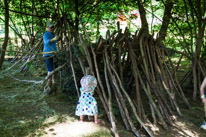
(49, 46)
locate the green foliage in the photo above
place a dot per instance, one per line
(29, 17)
(101, 133)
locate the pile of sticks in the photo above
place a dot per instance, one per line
(132, 71)
(140, 59)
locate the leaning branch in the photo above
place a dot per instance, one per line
(45, 79)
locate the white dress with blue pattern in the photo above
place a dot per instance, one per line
(87, 104)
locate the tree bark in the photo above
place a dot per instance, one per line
(143, 16)
(76, 21)
(166, 20)
(6, 33)
(199, 43)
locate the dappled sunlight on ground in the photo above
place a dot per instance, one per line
(152, 127)
(72, 128)
(179, 129)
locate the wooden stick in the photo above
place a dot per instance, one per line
(118, 94)
(54, 71)
(110, 102)
(71, 63)
(205, 108)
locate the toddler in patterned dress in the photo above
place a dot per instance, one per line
(87, 104)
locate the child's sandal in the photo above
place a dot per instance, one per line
(96, 121)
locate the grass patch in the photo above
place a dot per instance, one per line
(101, 133)
(24, 113)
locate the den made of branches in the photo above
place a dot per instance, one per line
(135, 72)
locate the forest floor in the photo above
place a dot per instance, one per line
(24, 113)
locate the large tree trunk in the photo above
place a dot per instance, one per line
(166, 20)
(76, 21)
(199, 43)
(143, 16)
(6, 33)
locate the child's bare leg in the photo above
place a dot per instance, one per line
(96, 119)
(81, 118)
